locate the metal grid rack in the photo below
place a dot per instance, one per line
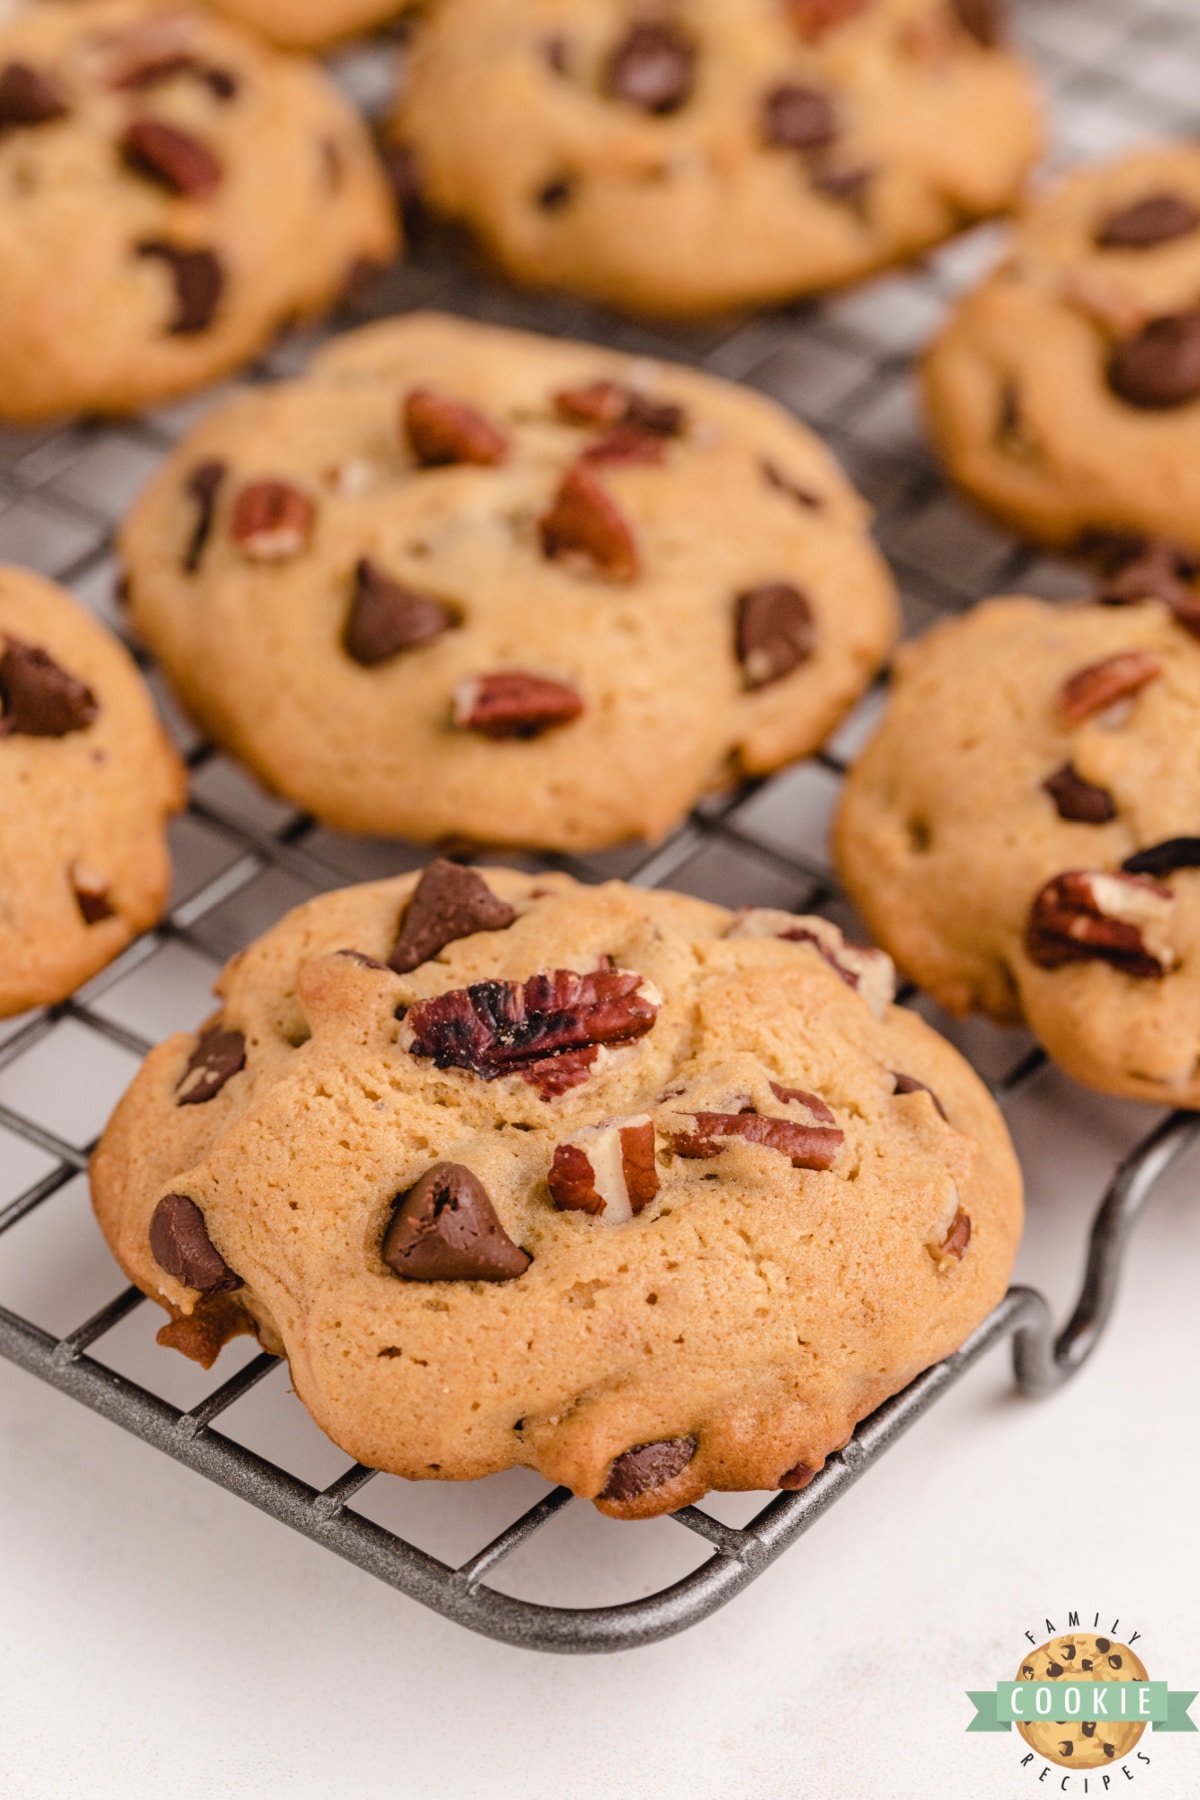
(1117, 72)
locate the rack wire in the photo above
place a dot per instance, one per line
(1118, 72)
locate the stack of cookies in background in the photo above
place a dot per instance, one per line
(692, 1188)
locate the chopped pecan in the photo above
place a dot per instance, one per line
(646, 1467)
(953, 1246)
(653, 67)
(91, 894)
(448, 903)
(908, 1084)
(1165, 858)
(272, 521)
(217, 1058)
(198, 277)
(801, 1097)
(180, 1244)
(175, 159)
(812, 19)
(870, 972)
(442, 431)
(613, 403)
(1089, 914)
(386, 617)
(446, 1228)
(806, 1146)
(514, 704)
(607, 1170)
(1144, 224)
(39, 698)
(584, 524)
(29, 97)
(1103, 684)
(496, 1028)
(203, 486)
(774, 633)
(775, 477)
(625, 444)
(1078, 801)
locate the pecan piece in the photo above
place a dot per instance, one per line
(448, 903)
(775, 477)
(91, 895)
(1160, 367)
(1089, 914)
(646, 1467)
(653, 68)
(180, 1244)
(953, 1246)
(613, 403)
(607, 1170)
(1078, 801)
(445, 1228)
(203, 486)
(495, 1028)
(514, 704)
(798, 1476)
(442, 431)
(386, 617)
(1165, 858)
(908, 1084)
(1103, 684)
(585, 524)
(29, 97)
(813, 19)
(198, 277)
(798, 118)
(774, 633)
(1143, 225)
(625, 444)
(272, 521)
(805, 1146)
(801, 1097)
(870, 972)
(175, 159)
(39, 698)
(218, 1057)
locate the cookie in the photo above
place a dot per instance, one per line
(1065, 391)
(611, 1184)
(718, 154)
(456, 581)
(311, 24)
(171, 193)
(1018, 833)
(1082, 1657)
(87, 783)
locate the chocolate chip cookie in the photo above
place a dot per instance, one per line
(717, 153)
(1019, 834)
(1065, 391)
(612, 1184)
(87, 783)
(172, 193)
(456, 581)
(1083, 1658)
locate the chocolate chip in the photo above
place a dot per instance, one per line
(495, 1028)
(448, 903)
(806, 1146)
(386, 617)
(91, 896)
(1116, 1662)
(1089, 914)
(774, 476)
(218, 1056)
(446, 1229)
(797, 1477)
(813, 19)
(624, 446)
(557, 50)
(1078, 801)
(40, 699)
(1088, 1726)
(361, 959)
(442, 431)
(1067, 1652)
(956, 1240)
(1053, 1671)
(1163, 859)
(557, 193)
(1066, 1747)
(648, 1466)
(222, 84)
(1094, 689)
(180, 1244)
(983, 19)
(199, 282)
(1158, 219)
(514, 704)
(272, 521)
(908, 1084)
(202, 485)
(1104, 1645)
(28, 97)
(1086, 1664)
(653, 68)
(175, 159)
(404, 177)
(774, 633)
(1160, 367)
(1155, 571)
(1110, 1750)
(799, 118)
(585, 525)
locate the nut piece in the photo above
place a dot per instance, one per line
(798, 1476)
(652, 68)
(1103, 684)
(198, 277)
(39, 698)
(386, 617)
(180, 1244)
(218, 1056)
(514, 704)
(607, 1170)
(870, 972)
(1078, 801)
(446, 1229)
(203, 486)
(28, 97)
(625, 445)
(953, 1246)
(908, 1084)
(774, 633)
(646, 1467)
(175, 159)
(442, 431)
(91, 894)
(584, 525)
(1158, 219)
(272, 521)
(1155, 571)
(613, 403)
(1088, 914)
(801, 1097)
(448, 903)
(806, 1146)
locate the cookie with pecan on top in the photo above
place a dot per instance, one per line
(173, 193)
(462, 582)
(1020, 834)
(615, 1185)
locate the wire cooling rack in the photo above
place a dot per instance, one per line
(1118, 71)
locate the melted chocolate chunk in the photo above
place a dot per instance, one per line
(91, 897)
(174, 159)
(180, 1244)
(799, 118)
(1158, 219)
(649, 1466)
(446, 1229)
(28, 97)
(908, 1084)
(1165, 858)
(496, 1028)
(202, 485)
(653, 68)
(774, 633)
(386, 617)
(1080, 802)
(448, 903)
(218, 1056)
(1160, 367)
(199, 282)
(40, 699)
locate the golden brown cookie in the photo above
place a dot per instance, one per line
(173, 193)
(87, 783)
(1019, 834)
(456, 581)
(611, 1184)
(1083, 1658)
(717, 153)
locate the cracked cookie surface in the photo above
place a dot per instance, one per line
(456, 581)
(1018, 833)
(87, 783)
(173, 193)
(630, 1190)
(1065, 391)
(723, 153)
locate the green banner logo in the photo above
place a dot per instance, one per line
(1068, 1702)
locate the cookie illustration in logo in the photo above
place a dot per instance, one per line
(1080, 1658)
